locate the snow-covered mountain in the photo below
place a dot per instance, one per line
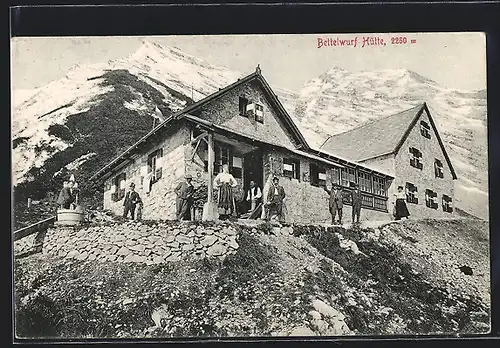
(96, 111)
(340, 100)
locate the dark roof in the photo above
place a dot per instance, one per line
(372, 139)
(380, 137)
(285, 117)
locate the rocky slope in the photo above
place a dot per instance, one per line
(402, 278)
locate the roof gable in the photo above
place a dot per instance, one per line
(375, 138)
(292, 128)
(438, 137)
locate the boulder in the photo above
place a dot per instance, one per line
(138, 247)
(183, 239)
(327, 310)
(216, 250)
(169, 239)
(187, 247)
(209, 240)
(73, 254)
(124, 251)
(321, 326)
(302, 331)
(315, 315)
(228, 231)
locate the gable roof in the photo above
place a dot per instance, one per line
(385, 136)
(255, 76)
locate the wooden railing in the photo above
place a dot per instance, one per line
(34, 228)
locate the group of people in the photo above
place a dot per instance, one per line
(225, 185)
(336, 203)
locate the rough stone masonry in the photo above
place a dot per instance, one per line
(141, 243)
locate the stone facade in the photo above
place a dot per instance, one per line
(305, 203)
(422, 178)
(141, 243)
(159, 203)
(224, 111)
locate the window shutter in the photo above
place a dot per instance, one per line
(158, 173)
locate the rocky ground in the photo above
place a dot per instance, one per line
(295, 281)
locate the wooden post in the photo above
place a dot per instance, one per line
(209, 211)
(29, 203)
(211, 156)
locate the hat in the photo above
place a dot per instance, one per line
(276, 178)
(132, 185)
(188, 176)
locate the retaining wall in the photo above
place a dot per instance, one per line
(142, 243)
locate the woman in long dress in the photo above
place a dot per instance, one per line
(400, 204)
(225, 183)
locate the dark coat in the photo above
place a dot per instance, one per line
(184, 190)
(281, 194)
(356, 198)
(335, 201)
(65, 196)
(131, 198)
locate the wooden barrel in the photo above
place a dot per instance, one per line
(70, 217)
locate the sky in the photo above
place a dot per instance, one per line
(456, 60)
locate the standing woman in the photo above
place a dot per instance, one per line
(225, 184)
(400, 204)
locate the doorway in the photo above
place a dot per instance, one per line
(252, 170)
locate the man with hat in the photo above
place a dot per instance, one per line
(356, 202)
(184, 192)
(275, 197)
(130, 202)
(335, 203)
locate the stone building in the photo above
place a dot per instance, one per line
(407, 146)
(245, 126)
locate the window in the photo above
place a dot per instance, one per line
(431, 199)
(380, 203)
(118, 187)
(348, 176)
(411, 193)
(438, 168)
(222, 156)
(154, 165)
(236, 168)
(416, 158)
(379, 186)
(317, 175)
(367, 201)
(243, 106)
(259, 113)
(447, 205)
(425, 130)
(291, 168)
(365, 182)
(336, 175)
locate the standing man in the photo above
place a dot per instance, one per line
(184, 192)
(275, 198)
(254, 195)
(356, 202)
(335, 203)
(131, 200)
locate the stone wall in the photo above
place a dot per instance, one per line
(425, 178)
(159, 203)
(142, 243)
